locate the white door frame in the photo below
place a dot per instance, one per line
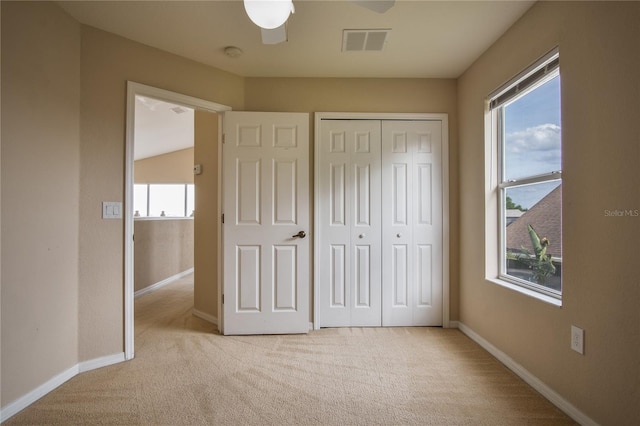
(133, 90)
(319, 116)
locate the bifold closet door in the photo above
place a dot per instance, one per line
(350, 219)
(412, 223)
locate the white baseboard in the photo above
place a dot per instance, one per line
(160, 284)
(24, 401)
(202, 315)
(103, 361)
(555, 398)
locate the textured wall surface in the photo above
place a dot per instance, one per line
(599, 45)
(163, 248)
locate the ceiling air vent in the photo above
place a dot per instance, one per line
(364, 40)
(178, 110)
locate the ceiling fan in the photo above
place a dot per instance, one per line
(272, 15)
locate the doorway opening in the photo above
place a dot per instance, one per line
(163, 193)
(180, 104)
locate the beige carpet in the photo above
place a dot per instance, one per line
(185, 373)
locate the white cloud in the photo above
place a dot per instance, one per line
(533, 151)
(545, 137)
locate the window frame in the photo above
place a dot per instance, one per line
(536, 75)
(185, 200)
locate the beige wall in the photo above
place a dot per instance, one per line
(40, 195)
(62, 285)
(207, 219)
(369, 95)
(163, 248)
(173, 167)
(108, 61)
(600, 57)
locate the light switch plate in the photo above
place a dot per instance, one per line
(111, 210)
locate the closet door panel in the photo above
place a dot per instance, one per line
(424, 258)
(366, 304)
(411, 206)
(337, 276)
(424, 194)
(349, 217)
(428, 224)
(337, 187)
(399, 272)
(334, 212)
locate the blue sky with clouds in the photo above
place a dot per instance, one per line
(533, 140)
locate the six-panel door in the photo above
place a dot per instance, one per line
(266, 206)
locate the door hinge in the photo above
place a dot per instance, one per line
(224, 138)
(223, 298)
(222, 217)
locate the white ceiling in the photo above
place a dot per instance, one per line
(161, 127)
(429, 39)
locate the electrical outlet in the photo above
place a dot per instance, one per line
(577, 339)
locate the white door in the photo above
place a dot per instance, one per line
(412, 223)
(349, 222)
(266, 223)
(380, 223)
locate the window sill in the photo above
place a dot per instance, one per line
(527, 292)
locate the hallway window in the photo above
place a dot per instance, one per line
(163, 200)
(526, 117)
(141, 200)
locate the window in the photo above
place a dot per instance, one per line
(163, 200)
(526, 116)
(140, 200)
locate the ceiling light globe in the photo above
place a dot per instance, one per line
(268, 14)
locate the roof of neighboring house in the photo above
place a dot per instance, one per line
(514, 213)
(546, 218)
